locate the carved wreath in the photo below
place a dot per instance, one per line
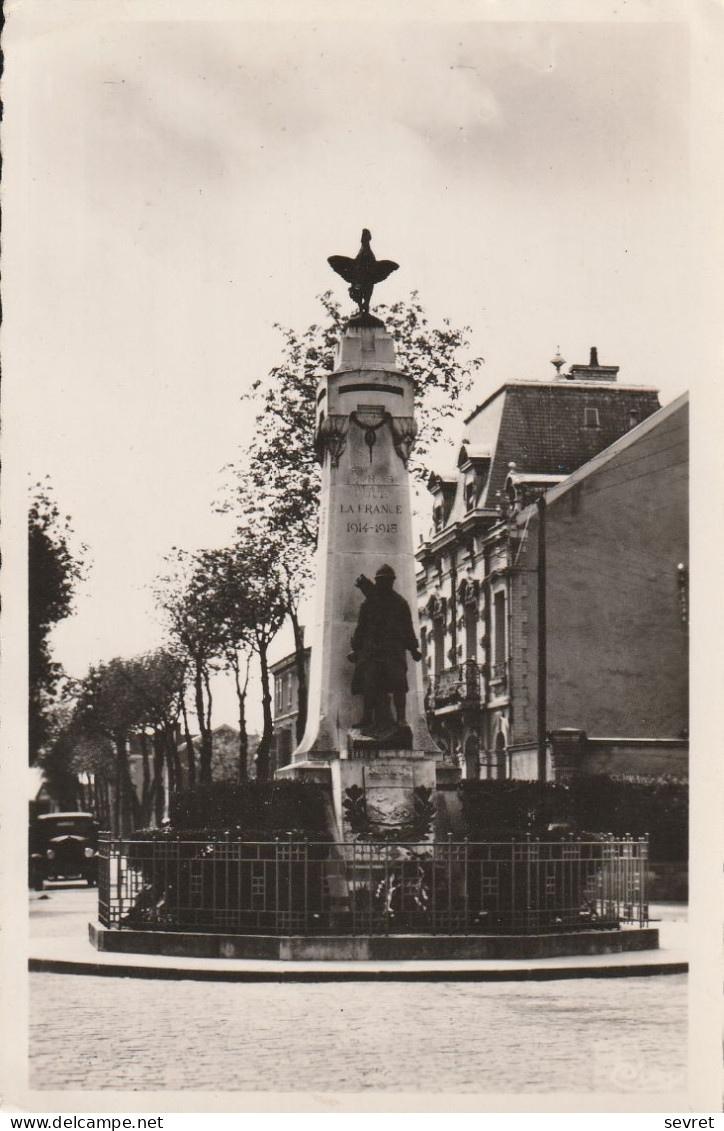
(355, 809)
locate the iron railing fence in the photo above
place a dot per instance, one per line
(292, 887)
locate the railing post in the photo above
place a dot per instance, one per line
(306, 885)
(388, 891)
(511, 864)
(276, 884)
(354, 886)
(449, 880)
(643, 882)
(466, 888)
(119, 879)
(290, 880)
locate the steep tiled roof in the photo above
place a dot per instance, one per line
(675, 415)
(542, 427)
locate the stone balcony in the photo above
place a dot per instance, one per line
(460, 686)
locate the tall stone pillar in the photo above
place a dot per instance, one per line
(382, 777)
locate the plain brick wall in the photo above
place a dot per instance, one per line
(617, 648)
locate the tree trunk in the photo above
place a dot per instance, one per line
(243, 736)
(300, 663)
(190, 752)
(262, 756)
(158, 760)
(118, 790)
(146, 787)
(205, 736)
(128, 807)
(207, 685)
(172, 755)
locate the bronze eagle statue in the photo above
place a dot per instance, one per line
(362, 272)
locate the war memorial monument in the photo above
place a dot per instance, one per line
(394, 877)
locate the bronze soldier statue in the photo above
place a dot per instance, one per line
(380, 643)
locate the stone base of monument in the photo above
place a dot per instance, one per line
(374, 792)
(380, 794)
(371, 948)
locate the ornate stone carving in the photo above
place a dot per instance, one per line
(468, 590)
(332, 438)
(395, 823)
(404, 433)
(436, 606)
(370, 422)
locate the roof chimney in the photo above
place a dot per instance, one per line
(594, 371)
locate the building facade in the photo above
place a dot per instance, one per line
(525, 440)
(286, 708)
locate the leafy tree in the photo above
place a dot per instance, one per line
(245, 589)
(54, 569)
(218, 578)
(158, 680)
(78, 765)
(196, 633)
(109, 705)
(124, 702)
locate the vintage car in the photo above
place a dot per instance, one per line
(63, 846)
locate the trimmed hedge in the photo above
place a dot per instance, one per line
(254, 810)
(587, 805)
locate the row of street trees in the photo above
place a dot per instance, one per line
(222, 608)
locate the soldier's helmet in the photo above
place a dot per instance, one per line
(386, 571)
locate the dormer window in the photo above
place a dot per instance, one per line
(590, 418)
(470, 495)
(438, 518)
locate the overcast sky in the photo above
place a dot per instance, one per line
(177, 181)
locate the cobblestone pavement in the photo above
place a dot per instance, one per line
(612, 1035)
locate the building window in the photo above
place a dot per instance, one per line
(284, 747)
(633, 418)
(438, 518)
(289, 690)
(469, 495)
(499, 656)
(278, 691)
(438, 637)
(590, 418)
(500, 756)
(471, 631)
